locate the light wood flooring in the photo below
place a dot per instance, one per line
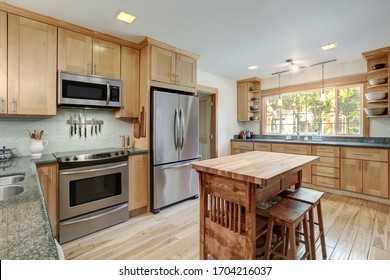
(355, 229)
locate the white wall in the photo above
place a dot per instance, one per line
(227, 108)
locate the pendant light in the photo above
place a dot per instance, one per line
(322, 96)
(280, 102)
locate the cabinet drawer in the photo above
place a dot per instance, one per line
(239, 151)
(242, 145)
(292, 149)
(266, 147)
(326, 171)
(328, 151)
(266, 192)
(329, 161)
(326, 182)
(365, 154)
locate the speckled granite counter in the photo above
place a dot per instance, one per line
(367, 142)
(25, 230)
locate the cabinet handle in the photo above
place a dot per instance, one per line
(51, 175)
(1, 104)
(177, 78)
(94, 69)
(13, 105)
(173, 78)
(88, 70)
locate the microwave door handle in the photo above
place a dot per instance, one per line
(108, 93)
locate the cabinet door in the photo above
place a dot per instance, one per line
(376, 178)
(48, 180)
(306, 174)
(185, 71)
(163, 65)
(130, 83)
(242, 102)
(32, 56)
(138, 182)
(106, 59)
(351, 175)
(3, 63)
(74, 52)
(265, 147)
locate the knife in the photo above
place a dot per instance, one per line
(92, 123)
(75, 124)
(71, 125)
(80, 124)
(96, 126)
(85, 127)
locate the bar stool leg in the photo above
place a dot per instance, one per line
(268, 239)
(321, 228)
(293, 245)
(306, 234)
(312, 235)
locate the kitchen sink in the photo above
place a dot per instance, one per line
(9, 191)
(10, 180)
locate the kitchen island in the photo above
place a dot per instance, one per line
(230, 189)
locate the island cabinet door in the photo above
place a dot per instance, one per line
(375, 178)
(351, 175)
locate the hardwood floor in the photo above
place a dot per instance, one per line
(355, 229)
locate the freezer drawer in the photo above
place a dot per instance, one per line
(173, 183)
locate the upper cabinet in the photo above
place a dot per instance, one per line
(83, 54)
(130, 83)
(32, 53)
(248, 100)
(171, 67)
(3, 62)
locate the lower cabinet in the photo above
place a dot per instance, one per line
(49, 183)
(239, 147)
(138, 184)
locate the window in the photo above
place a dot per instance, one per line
(339, 114)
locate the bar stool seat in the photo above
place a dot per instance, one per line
(313, 198)
(289, 214)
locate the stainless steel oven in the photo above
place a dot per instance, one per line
(93, 192)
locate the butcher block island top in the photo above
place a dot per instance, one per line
(255, 167)
(230, 188)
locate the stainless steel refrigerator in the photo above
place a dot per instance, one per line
(174, 146)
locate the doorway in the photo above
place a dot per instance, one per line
(207, 122)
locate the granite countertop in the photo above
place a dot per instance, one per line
(366, 142)
(25, 230)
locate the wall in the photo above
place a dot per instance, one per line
(227, 108)
(13, 132)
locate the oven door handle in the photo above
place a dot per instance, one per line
(93, 170)
(78, 220)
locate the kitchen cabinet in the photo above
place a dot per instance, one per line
(174, 68)
(326, 172)
(87, 55)
(3, 63)
(138, 184)
(248, 95)
(130, 83)
(265, 147)
(296, 149)
(49, 184)
(239, 147)
(32, 55)
(365, 170)
(375, 57)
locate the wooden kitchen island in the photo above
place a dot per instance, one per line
(230, 189)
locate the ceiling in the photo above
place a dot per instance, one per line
(230, 35)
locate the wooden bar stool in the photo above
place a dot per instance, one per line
(289, 214)
(313, 198)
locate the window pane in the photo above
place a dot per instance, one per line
(349, 110)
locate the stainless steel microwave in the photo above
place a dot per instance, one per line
(81, 90)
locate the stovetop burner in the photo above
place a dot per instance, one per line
(89, 155)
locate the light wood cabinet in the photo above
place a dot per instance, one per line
(296, 149)
(172, 68)
(49, 184)
(130, 83)
(3, 63)
(83, 54)
(358, 174)
(326, 172)
(138, 184)
(239, 147)
(32, 56)
(248, 95)
(265, 147)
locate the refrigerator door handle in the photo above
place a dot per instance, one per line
(176, 128)
(182, 128)
(178, 165)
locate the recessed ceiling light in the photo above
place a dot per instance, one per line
(328, 46)
(252, 67)
(125, 17)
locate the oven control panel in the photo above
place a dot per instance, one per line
(91, 157)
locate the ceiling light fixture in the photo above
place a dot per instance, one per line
(252, 67)
(294, 67)
(323, 96)
(125, 17)
(329, 46)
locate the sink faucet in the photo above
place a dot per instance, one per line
(298, 136)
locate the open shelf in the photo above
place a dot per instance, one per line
(377, 86)
(377, 101)
(378, 72)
